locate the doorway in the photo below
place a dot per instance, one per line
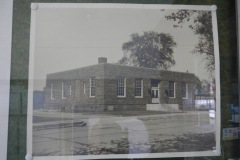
(155, 94)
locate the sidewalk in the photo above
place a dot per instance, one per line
(78, 118)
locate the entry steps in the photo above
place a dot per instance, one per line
(163, 107)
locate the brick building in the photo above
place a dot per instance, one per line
(106, 86)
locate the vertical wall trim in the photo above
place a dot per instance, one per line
(6, 11)
(238, 45)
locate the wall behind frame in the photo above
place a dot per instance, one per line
(20, 60)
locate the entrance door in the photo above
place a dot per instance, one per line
(155, 94)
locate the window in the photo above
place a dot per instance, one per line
(121, 87)
(92, 87)
(52, 91)
(84, 88)
(138, 88)
(64, 90)
(171, 89)
(156, 95)
(184, 90)
(70, 89)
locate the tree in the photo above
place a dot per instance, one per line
(205, 87)
(151, 50)
(201, 24)
(202, 87)
(198, 85)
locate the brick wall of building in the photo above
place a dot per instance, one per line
(131, 73)
(55, 100)
(77, 100)
(106, 88)
(184, 103)
(83, 101)
(129, 102)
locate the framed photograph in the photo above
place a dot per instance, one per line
(113, 81)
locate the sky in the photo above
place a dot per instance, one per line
(72, 38)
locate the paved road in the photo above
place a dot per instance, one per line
(104, 133)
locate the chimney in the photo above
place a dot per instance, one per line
(102, 60)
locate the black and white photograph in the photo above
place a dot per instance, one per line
(123, 81)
